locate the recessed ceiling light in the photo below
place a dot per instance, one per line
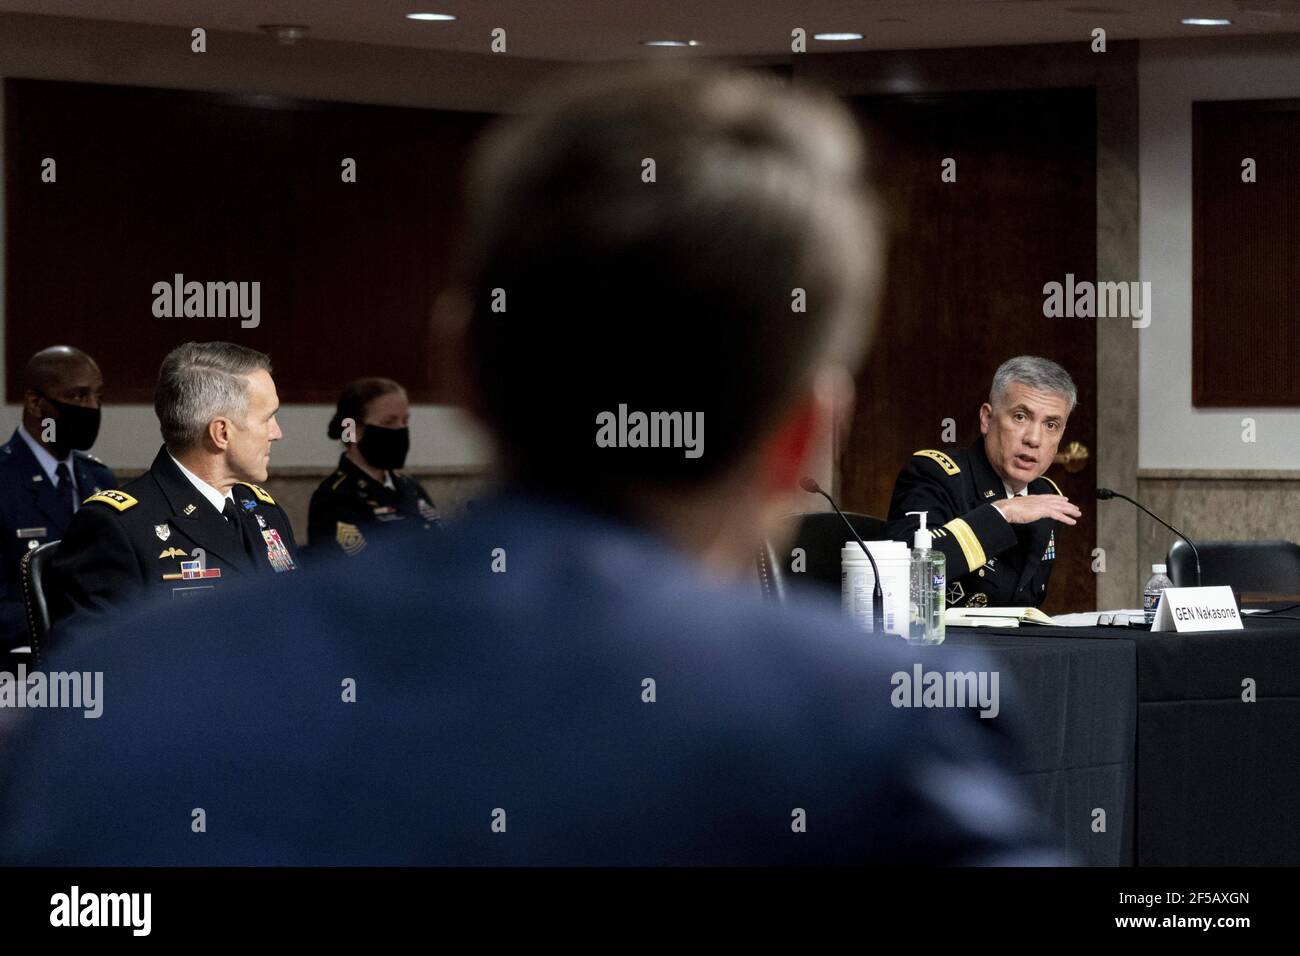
(430, 16)
(837, 37)
(670, 42)
(1206, 22)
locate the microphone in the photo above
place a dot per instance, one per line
(1105, 494)
(877, 596)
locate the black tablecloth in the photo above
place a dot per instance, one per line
(1073, 703)
(1217, 776)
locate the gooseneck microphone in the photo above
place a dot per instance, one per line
(1105, 494)
(877, 596)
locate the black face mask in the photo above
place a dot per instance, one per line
(76, 427)
(385, 448)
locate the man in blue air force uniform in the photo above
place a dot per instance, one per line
(45, 471)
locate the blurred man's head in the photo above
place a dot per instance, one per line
(667, 241)
(216, 406)
(63, 390)
(1024, 418)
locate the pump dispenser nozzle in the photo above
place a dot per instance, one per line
(922, 538)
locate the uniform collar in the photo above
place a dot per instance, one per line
(214, 497)
(349, 467)
(988, 483)
(43, 457)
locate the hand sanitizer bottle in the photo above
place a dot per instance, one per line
(927, 589)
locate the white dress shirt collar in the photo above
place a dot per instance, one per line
(216, 498)
(43, 457)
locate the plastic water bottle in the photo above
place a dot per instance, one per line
(1151, 593)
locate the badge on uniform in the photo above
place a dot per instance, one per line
(191, 570)
(1050, 553)
(276, 552)
(162, 531)
(349, 537)
(171, 553)
(261, 522)
(189, 509)
(250, 504)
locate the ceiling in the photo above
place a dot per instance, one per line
(590, 30)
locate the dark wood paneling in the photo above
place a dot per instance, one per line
(965, 284)
(1246, 254)
(229, 188)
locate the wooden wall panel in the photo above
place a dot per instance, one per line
(966, 272)
(1246, 254)
(229, 188)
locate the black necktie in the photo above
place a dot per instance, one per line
(231, 513)
(66, 488)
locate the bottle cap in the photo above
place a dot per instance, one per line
(922, 538)
(1159, 568)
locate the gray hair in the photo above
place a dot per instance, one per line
(200, 381)
(1034, 372)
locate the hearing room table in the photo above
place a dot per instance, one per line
(1189, 743)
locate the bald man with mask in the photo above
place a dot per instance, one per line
(45, 472)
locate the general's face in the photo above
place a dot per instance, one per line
(249, 451)
(1022, 432)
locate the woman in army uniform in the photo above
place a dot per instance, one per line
(367, 499)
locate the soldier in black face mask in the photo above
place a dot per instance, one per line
(367, 499)
(45, 473)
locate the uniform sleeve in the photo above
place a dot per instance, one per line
(95, 568)
(967, 538)
(324, 515)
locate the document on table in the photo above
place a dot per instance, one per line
(1123, 618)
(994, 617)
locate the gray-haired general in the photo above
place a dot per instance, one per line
(198, 520)
(994, 513)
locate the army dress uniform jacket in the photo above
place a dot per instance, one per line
(349, 509)
(33, 512)
(991, 562)
(160, 537)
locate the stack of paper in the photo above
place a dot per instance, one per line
(994, 617)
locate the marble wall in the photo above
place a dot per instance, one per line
(1220, 504)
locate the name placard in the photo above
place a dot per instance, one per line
(1197, 609)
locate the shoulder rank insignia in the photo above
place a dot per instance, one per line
(349, 537)
(114, 499)
(260, 492)
(943, 461)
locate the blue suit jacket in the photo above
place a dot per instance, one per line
(31, 509)
(502, 715)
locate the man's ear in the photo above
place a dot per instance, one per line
(986, 412)
(219, 433)
(787, 452)
(32, 404)
(449, 325)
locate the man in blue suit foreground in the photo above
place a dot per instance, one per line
(577, 673)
